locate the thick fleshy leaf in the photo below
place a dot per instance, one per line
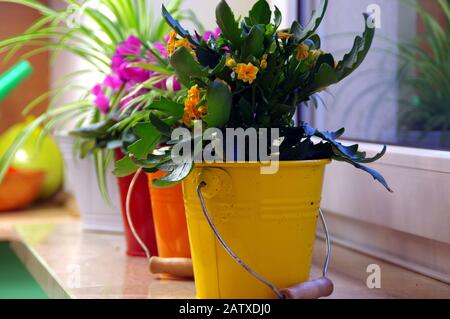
(168, 106)
(228, 24)
(160, 125)
(152, 161)
(260, 13)
(174, 177)
(352, 60)
(149, 138)
(313, 24)
(207, 57)
(186, 66)
(124, 167)
(306, 150)
(278, 18)
(324, 77)
(219, 67)
(349, 154)
(376, 175)
(219, 101)
(177, 26)
(253, 44)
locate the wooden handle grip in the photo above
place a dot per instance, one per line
(180, 267)
(322, 287)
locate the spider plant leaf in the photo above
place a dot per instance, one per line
(93, 130)
(152, 67)
(101, 166)
(106, 25)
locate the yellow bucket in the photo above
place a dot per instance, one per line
(268, 221)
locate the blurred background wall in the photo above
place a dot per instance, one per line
(15, 19)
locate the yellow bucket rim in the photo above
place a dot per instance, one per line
(308, 163)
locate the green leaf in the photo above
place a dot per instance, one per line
(111, 29)
(177, 26)
(168, 106)
(186, 66)
(253, 43)
(219, 67)
(219, 105)
(228, 24)
(260, 13)
(352, 60)
(86, 148)
(278, 18)
(313, 24)
(152, 161)
(93, 130)
(376, 175)
(177, 175)
(208, 57)
(124, 167)
(160, 125)
(325, 76)
(102, 161)
(152, 67)
(149, 139)
(349, 154)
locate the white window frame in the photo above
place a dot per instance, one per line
(410, 227)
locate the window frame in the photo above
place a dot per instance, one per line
(416, 215)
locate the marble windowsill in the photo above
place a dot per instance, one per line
(71, 263)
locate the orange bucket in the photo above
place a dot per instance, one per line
(170, 219)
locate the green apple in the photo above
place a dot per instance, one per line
(44, 157)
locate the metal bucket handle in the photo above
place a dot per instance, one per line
(277, 291)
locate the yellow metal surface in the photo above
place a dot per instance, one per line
(269, 221)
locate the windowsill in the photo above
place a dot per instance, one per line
(415, 215)
(64, 251)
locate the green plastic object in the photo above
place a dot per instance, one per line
(15, 280)
(13, 77)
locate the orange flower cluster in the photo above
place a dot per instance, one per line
(246, 72)
(173, 43)
(191, 110)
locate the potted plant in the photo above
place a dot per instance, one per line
(145, 105)
(251, 227)
(123, 44)
(140, 133)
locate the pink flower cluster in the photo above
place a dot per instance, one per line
(126, 77)
(215, 34)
